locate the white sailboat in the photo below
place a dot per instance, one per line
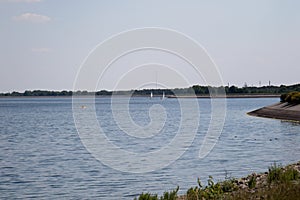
(151, 95)
(163, 96)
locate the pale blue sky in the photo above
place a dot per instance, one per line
(43, 42)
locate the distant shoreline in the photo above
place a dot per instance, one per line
(157, 96)
(231, 96)
(189, 92)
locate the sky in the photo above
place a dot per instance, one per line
(43, 43)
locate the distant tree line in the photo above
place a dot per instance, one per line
(196, 89)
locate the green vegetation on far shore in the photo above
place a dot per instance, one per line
(291, 97)
(278, 183)
(196, 89)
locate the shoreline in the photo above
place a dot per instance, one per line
(282, 111)
(279, 182)
(260, 185)
(229, 96)
(157, 96)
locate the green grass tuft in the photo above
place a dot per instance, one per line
(252, 182)
(278, 174)
(172, 195)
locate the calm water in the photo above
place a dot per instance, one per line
(41, 154)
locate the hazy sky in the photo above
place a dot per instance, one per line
(44, 42)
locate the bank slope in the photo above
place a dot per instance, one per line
(284, 111)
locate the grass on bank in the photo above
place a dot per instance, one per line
(281, 183)
(212, 190)
(278, 174)
(172, 195)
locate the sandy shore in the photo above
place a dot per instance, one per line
(284, 111)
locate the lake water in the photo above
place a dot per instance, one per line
(42, 156)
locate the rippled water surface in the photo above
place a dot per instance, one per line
(42, 156)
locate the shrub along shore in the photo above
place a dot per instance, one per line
(277, 183)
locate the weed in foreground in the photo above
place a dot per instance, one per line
(274, 174)
(172, 195)
(278, 174)
(252, 181)
(212, 190)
